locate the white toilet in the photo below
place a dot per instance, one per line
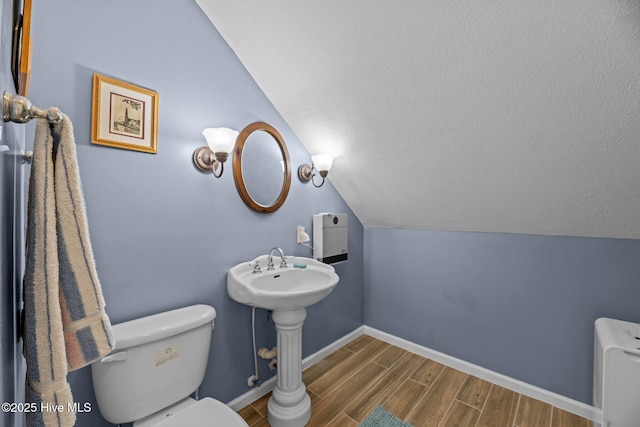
(158, 362)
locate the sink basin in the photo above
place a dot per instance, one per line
(282, 288)
(286, 291)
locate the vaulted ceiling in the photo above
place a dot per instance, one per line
(497, 115)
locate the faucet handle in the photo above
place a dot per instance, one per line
(256, 267)
(283, 263)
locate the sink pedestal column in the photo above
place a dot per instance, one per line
(289, 405)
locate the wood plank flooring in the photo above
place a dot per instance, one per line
(349, 384)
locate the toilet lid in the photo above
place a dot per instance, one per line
(206, 412)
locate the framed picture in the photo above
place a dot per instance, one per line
(124, 115)
(21, 46)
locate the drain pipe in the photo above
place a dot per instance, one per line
(269, 354)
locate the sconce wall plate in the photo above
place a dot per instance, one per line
(305, 172)
(205, 160)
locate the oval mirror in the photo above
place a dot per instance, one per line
(261, 168)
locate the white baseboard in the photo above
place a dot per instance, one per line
(253, 394)
(554, 399)
(267, 386)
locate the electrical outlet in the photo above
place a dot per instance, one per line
(302, 236)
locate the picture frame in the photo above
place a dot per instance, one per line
(124, 115)
(21, 46)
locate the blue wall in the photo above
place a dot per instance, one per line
(520, 305)
(12, 176)
(164, 235)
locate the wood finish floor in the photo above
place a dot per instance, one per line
(349, 384)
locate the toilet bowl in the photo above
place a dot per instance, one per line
(158, 362)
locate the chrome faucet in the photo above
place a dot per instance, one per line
(283, 263)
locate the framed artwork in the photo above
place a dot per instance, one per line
(124, 115)
(21, 46)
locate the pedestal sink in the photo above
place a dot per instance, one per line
(286, 291)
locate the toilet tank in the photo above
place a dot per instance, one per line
(157, 361)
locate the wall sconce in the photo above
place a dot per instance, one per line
(322, 163)
(220, 143)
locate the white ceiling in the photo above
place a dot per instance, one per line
(496, 115)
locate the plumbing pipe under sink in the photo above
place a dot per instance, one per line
(268, 354)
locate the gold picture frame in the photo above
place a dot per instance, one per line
(21, 46)
(124, 115)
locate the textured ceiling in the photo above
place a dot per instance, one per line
(508, 116)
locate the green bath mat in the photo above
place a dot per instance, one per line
(381, 418)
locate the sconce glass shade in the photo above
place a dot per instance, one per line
(211, 157)
(220, 140)
(322, 162)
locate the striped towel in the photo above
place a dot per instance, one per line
(65, 326)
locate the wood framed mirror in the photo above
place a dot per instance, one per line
(261, 167)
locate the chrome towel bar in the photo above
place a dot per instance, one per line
(18, 109)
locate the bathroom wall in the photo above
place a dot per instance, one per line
(164, 235)
(520, 305)
(11, 234)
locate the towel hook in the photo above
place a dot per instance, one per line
(18, 109)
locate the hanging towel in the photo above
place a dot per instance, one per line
(65, 326)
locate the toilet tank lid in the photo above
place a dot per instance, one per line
(162, 325)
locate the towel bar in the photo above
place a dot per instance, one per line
(18, 109)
